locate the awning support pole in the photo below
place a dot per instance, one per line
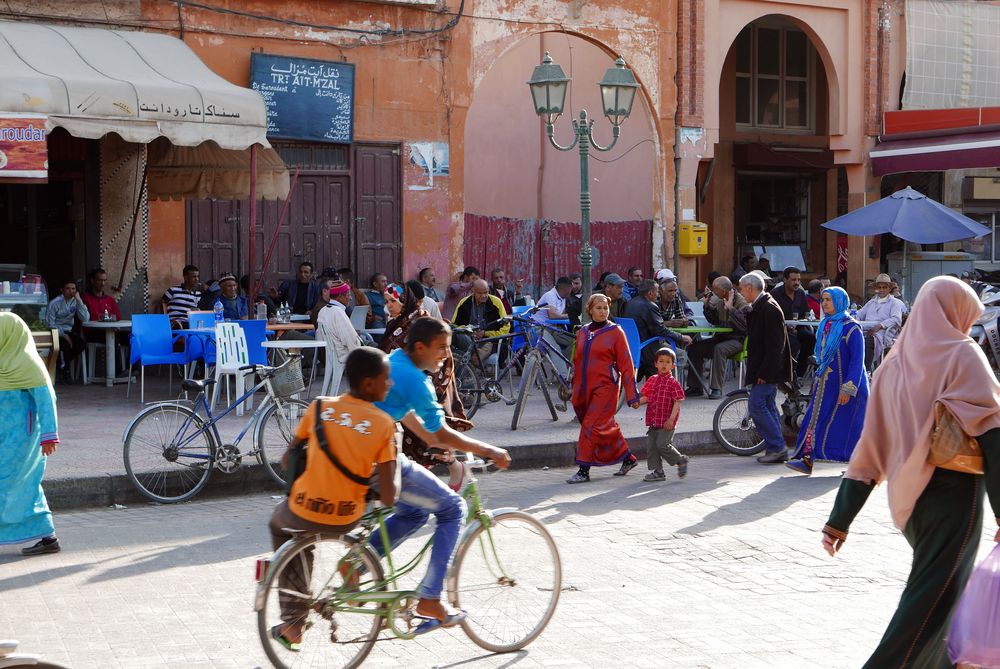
(135, 218)
(274, 237)
(253, 217)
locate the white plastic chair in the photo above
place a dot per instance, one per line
(333, 370)
(230, 354)
(359, 316)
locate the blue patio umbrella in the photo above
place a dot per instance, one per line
(908, 215)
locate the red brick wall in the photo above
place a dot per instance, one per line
(690, 62)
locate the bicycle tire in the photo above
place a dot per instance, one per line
(484, 580)
(469, 388)
(155, 481)
(34, 665)
(734, 428)
(324, 641)
(527, 380)
(273, 432)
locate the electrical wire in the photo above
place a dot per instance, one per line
(612, 160)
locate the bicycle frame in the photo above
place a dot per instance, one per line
(199, 401)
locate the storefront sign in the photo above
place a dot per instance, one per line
(841, 254)
(23, 149)
(306, 99)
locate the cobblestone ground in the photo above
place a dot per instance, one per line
(723, 569)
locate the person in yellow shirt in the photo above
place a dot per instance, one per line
(324, 499)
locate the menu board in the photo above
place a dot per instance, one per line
(306, 99)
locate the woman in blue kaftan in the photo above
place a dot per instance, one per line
(28, 437)
(832, 423)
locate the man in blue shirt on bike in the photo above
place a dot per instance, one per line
(412, 402)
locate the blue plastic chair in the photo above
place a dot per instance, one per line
(254, 331)
(632, 337)
(152, 343)
(202, 347)
(517, 343)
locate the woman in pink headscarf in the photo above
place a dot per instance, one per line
(939, 510)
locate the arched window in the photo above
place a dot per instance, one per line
(775, 67)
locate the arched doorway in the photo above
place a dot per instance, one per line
(773, 181)
(522, 196)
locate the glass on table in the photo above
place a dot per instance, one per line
(795, 315)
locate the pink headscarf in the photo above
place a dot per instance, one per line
(934, 360)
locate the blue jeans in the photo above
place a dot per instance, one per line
(764, 412)
(422, 494)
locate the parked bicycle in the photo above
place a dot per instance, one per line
(541, 369)
(170, 448)
(474, 384)
(506, 574)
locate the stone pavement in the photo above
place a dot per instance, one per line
(721, 570)
(88, 468)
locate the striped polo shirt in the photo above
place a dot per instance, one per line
(180, 301)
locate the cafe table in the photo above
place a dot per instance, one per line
(111, 329)
(684, 362)
(295, 346)
(286, 327)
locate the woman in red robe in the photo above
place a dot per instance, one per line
(601, 364)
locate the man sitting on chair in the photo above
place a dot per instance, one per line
(888, 311)
(478, 310)
(724, 308)
(333, 322)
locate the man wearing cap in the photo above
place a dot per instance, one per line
(888, 311)
(673, 305)
(234, 305)
(613, 289)
(335, 326)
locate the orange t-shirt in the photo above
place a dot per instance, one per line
(359, 434)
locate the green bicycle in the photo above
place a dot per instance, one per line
(506, 575)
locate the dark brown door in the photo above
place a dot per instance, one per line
(378, 217)
(213, 234)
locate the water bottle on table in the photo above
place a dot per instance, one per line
(261, 314)
(219, 312)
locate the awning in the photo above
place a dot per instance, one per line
(139, 85)
(207, 170)
(934, 154)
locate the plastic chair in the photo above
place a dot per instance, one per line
(152, 343)
(201, 348)
(235, 349)
(333, 371)
(359, 316)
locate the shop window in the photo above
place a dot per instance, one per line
(774, 78)
(986, 249)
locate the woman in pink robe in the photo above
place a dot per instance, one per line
(601, 364)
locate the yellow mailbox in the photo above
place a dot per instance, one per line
(692, 239)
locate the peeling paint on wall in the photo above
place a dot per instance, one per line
(432, 158)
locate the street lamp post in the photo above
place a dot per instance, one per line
(548, 91)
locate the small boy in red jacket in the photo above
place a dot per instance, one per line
(662, 396)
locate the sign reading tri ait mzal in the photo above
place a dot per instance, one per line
(24, 153)
(305, 98)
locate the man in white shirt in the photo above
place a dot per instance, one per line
(335, 327)
(888, 311)
(552, 305)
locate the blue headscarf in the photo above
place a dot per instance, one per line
(826, 347)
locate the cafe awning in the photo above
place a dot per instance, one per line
(207, 170)
(936, 154)
(139, 85)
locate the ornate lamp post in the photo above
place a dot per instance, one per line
(548, 91)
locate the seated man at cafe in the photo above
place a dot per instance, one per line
(794, 305)
(888, 311)
(62, 314)
(614, 289)
(179, 300)
(301, 293)
(480, 311)
(724, 308)
(649, 321)
(676, 313)
(235, 307)
(102, 307)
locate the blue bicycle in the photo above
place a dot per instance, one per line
(170, 448)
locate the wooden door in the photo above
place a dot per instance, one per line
(213, 236)
(378, 215)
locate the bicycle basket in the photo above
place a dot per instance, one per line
(287, 379)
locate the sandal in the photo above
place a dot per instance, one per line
(283, 640)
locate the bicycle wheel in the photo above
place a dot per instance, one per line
(470, 390)
(168, 453)
(305, 586)
(273, 433)
(734, 428)
(527, 380)
(507, 577)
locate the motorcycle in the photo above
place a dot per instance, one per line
(986, 331)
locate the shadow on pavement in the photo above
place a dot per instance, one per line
(210, 551)
(770, 500)
(34, 578)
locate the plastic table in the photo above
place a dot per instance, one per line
(111, 329)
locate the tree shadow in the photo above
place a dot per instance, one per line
(209, 551)
(772, 499)
(33, 578)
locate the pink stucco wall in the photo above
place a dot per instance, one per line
(511, 170)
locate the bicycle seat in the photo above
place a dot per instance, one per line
(193, 385)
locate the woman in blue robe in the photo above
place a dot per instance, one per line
(29, 436)
(832, 423)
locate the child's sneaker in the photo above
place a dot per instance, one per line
(682, 467)
(655, 475)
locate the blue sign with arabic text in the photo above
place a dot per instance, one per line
(306, 99)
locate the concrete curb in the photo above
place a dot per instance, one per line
(83, 492)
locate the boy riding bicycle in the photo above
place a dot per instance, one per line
(323, 499)
(412, 402)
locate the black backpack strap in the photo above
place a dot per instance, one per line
(325, 447)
